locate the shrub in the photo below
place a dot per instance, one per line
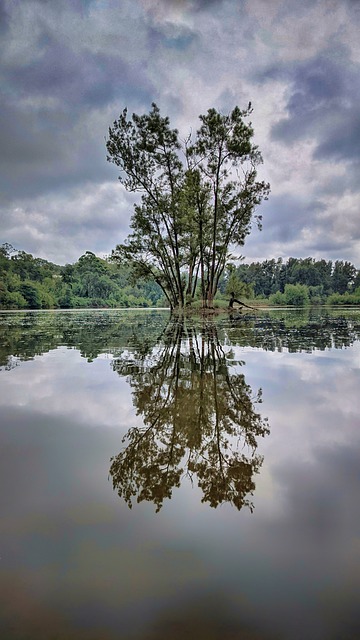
(296, 295)
(277, 299)
(14, 300)
(344, 298)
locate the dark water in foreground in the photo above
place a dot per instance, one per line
(235, 442)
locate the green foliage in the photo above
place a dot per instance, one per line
(277, 299)
(237, 287)
(320, 276)
(191, 210)
(295, 295)
(32, 294)
(33, 283)
(343, 276)
(316, 294)
(345, 298)
(14, 300)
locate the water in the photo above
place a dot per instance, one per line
(235, 442)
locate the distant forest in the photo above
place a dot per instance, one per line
(33, 283)
(298, 281)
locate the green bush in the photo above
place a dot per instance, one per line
(277, 299)
(296, 295)
(14, 300)
(345, 298)
(32, 294)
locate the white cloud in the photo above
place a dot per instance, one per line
(62, 226)
(89, 394)
(187, 57)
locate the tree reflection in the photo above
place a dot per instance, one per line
(198, 420)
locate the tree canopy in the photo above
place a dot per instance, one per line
(33, 283)
(199, 197)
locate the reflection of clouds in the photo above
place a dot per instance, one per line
(62, 383)
(66, 543)
(73, 552)
(311, 400)
(310, 483)
(322, 493)
(315, 537)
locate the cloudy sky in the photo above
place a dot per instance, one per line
(68, 67)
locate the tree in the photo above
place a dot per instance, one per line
(194, 206)
(343, 276)
(31, 292)
(227, 159)
(235, 287)
(356, 283)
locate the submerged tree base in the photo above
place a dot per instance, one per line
(211, 311)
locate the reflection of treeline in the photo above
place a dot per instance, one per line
(24, 335)
(297, 280)
(27, 334)
(28, 282)
(295, 330)
(199, 420)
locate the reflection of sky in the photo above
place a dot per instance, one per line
(76, 561)
(64, 384)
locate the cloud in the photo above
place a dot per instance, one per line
(343, 140)
(67, 224)
(61, 94)
(323, 106)
(68, 69)
(44, 149)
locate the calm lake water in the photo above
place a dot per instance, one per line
(180, 479)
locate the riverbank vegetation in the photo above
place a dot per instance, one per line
(33, 283)
(299, 282)
(27, 282)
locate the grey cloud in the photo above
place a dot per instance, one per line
(296, 9)
(169, 36)
(354, 4)
(330, 246)
(193, 5)
(261, 246)
(77, 79)
(342, 142)
(68, 69)
(4, 17)
(61, 227)
(323, 105)
(204, 5)
(20, 136)
(55, 107)
(44, 150)
(285, 216)
(296, 227)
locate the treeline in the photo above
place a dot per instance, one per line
(297, 281)
(33, 283)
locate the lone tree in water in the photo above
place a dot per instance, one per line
(198, 197)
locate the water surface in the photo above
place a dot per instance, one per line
(236, 444)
